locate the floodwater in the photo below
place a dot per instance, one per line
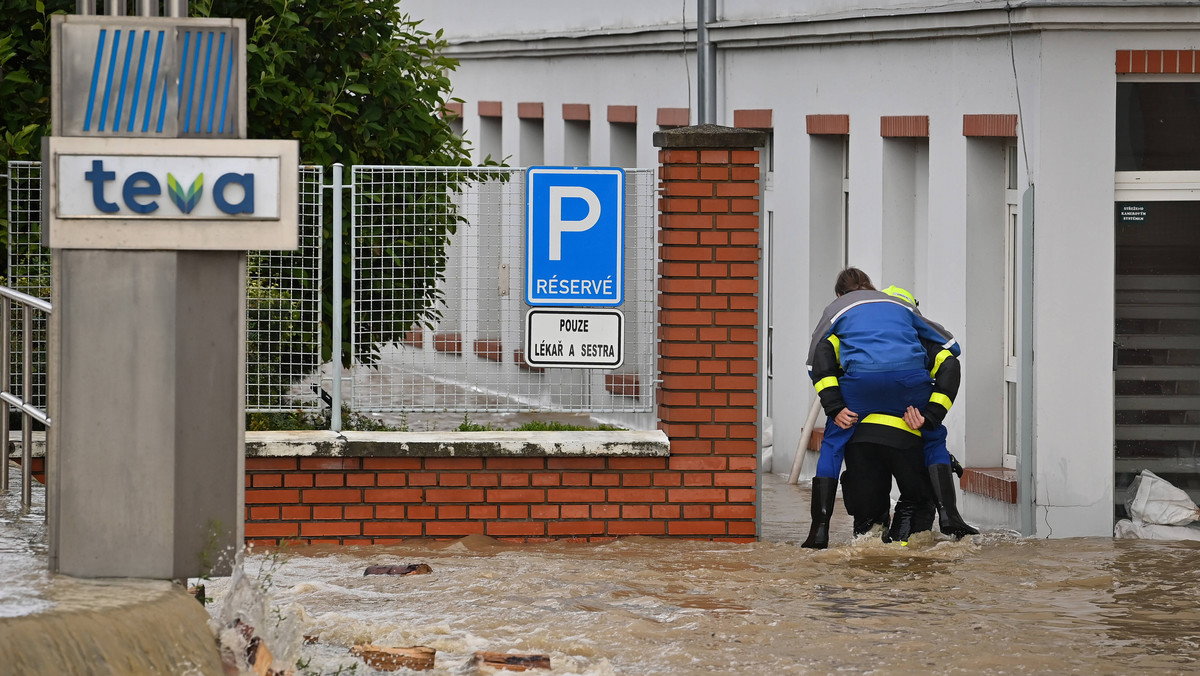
(993, 604)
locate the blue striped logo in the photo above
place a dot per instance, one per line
(128, 83)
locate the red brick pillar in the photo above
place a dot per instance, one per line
(709, 325)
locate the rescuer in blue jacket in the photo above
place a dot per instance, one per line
(865, 506)
(868, 357)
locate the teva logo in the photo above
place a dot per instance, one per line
(141, 187)
(168, 187)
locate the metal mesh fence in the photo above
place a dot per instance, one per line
(437, 304)
(28, 272)
(282, 298)
(283, 313)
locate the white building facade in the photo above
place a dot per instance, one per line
(1029, 170)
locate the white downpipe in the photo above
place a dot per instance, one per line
(805, 435)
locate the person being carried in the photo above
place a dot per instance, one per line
(867, 359)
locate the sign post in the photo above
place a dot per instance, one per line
(151, 198)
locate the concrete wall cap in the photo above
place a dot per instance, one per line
(625, 443)
(709, 136)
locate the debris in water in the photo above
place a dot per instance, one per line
(417, 658)
(511, 661)
(410, 569)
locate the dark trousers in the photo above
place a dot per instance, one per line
(873, 466)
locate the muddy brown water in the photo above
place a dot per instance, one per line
(994, 604)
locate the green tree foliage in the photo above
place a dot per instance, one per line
(360, 82)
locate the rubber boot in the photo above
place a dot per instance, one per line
(864, 524)
(824, 493)
(949, 520)
(902, 522)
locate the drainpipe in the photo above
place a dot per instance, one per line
(706, 64)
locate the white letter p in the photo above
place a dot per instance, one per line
(558, 226)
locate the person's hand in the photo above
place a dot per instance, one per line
(845, 419)
(913, 418)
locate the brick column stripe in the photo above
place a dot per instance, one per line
(530, 110)
(752, 118)
(576, 111)
(490, 109)
(1004, 126)
(452, 109)
(622, 114)
(672, 117)
(904, 126)
(1157, 61)
(828, 124)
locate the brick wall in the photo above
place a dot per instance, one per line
(706, 488)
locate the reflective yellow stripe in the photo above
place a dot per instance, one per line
(939, 398)
(830, 381)
(937, 362)
(837, 347)
(890, 421)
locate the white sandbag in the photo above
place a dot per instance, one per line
(1136, 530)
(1157, 501)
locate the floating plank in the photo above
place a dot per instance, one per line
(409, 569)
(417, 658)
(512, 661)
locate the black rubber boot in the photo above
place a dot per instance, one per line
(824, 493)
(902, 522)
(864, 524)
(949, 520)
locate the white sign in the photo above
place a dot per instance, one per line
(133, 193)
(574, 338)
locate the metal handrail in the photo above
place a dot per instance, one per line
(23, 403)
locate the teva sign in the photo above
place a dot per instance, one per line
(171, 194)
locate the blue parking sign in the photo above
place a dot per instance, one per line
(575, 236)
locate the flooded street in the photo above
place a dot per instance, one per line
(997, 605)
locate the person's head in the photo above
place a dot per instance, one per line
(852, 279)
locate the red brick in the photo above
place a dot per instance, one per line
(267, 480)
(636, 528)
(606, 511)
(635, 480)
(677, 333)
(636, 495)
(637, 463)
(575, 528)
(735, 415)
(419, 511)
(317, 495)
(665, 511)
(677, 156)
(694, 479)
(297, 512)
(696, 528)
(546, 479)
(454, 528)
(736, 479)
(452, 512)
(530, 110)
(538, 511)
(744, 173)
(256, 464)
(392, 463)
(735, 447)
(454, 495)
(685, 253)
(678, 173)
(697, 512)
(713, 366)
(329, 463)
(400, 528)
(269, 496)
(672, 117)
(635, 512)
(744, 157)
(575, 463)
(742, 528)
(362, 512)
(361, 479)
(713, 399)
(452, 479)
(520, 511)
(327, 512)
(734, 511)
(678, 237)
(516, 495)
(719, 173)
(422, 479)
(271, 530)
(675, 430)
(391, 479)
(676, 415)
(516, 528)
(327, 480)
(453, 464)
(485, 480)
(561, 495)
(265, 513)
(330, 528)
(576, 111)
(735, 382)
(743, 464)
(575, 511)
(741, 494)
(679, 205)
(389, 512)
(696, 495)
(490, 109)
(714, 205)
(686, 222)
(678, 269)
(511, 479)
(577, 479)
(392, 495)
(752, 118)
(745, 189)
(714, 157)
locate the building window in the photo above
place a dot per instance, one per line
(1156, 126)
